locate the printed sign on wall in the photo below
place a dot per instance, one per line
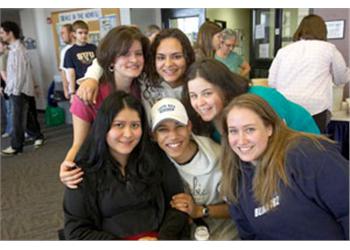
(86, 15)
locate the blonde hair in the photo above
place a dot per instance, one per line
(270, 170)
(228, 34)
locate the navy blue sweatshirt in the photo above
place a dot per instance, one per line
(314, 207)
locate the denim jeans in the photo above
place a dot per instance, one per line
(9, 114)
(3, 115)
(6, 116)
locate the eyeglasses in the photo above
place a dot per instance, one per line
(229, 45)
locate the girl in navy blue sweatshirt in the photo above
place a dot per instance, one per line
(281, 184)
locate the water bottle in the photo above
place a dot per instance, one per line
(201, 233)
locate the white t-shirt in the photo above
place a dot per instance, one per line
(62, 54)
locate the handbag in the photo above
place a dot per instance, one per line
(54, 116)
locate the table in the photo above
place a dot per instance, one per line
(338, 130)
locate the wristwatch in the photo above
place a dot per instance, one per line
(205, 211)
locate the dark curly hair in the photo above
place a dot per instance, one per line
(153, 77)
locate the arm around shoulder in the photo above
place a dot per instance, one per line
(94, 71)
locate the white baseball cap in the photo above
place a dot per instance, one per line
(168, 108)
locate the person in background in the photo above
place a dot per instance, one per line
(306, 70)
(211, 86)
(79, 57)
(20, 88)
(6, 110)
(67, 36)
(197, 160)
(227, 56)
(281, 184)
(121, 54)
(128, 183)
(152, 31)
(208, 40)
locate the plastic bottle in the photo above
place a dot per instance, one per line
(201, 233)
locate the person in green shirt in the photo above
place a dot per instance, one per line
(227, 56)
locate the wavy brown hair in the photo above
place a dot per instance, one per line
(117, 43)
(187, 50)
(312, 27)
(270, 170)
(229, 84)
(215, 72)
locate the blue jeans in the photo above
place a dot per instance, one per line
(3, 115)
(6, 115)
(9, 116)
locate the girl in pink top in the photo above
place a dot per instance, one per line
(121, 54)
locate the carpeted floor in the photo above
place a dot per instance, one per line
(31, 194)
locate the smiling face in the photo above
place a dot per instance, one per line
(124, 134)
(206, 99)
(248, 136)
(170, 61)
(131, 64)
(174, 139)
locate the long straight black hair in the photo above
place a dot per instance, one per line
(95, 151)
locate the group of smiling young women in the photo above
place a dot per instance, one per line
(280, 179)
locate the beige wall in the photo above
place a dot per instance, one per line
(235, 19)
(338, 14)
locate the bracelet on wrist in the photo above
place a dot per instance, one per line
(205, 211)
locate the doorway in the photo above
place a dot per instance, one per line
(187, 19)
(271, 30)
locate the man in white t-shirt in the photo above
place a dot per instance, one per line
(67, 36)
(197, 160)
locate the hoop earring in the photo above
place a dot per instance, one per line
(111, 68)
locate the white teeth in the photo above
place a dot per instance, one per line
(245, 149)
(170, 71)
(174, 145)
(204, 110)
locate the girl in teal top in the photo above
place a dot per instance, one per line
(211, 86)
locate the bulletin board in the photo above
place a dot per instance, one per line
(100, 21)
